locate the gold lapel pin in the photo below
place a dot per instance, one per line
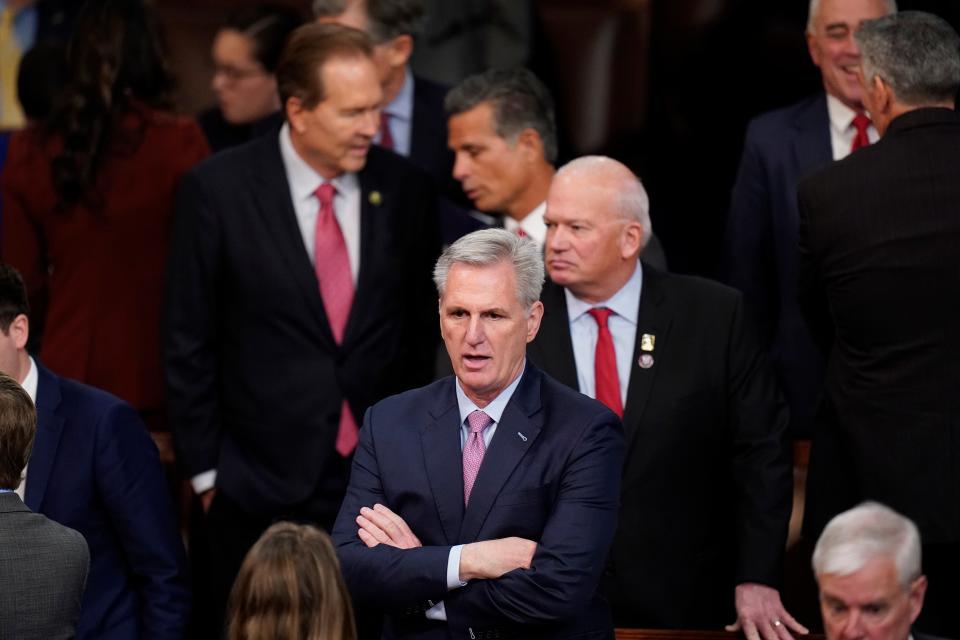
(375, 198)
(647, 342)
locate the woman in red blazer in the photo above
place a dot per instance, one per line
(87, 206)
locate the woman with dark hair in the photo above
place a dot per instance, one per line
(88, 200)
(245, 54)
(290, 588)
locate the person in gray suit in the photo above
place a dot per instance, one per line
(43, 565)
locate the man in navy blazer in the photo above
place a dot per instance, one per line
(483, 505)
(95, 469)
(782, 146)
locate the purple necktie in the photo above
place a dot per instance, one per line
(473, 450)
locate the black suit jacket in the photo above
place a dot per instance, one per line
(706, 488)
(880, 285)
(549, 475)
(255, 378)
(761, 257)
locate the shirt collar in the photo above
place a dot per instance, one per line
(625, 302)
(401, 107)
(532, 224)
(841, 116)
(30, 382)
(496, 406)
(302, 177)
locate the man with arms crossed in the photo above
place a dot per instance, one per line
(483, 505)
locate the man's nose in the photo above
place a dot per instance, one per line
(853, 626)
(475, 332)
(460, 167)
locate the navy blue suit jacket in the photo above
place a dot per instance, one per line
(95, 469)
(761, 252)
(551, 474)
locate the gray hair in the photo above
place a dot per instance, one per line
(870, 530)
(632, 202)
(488, 247)
(916, 53)
(815, 10)
(387, 19)
(520, 101)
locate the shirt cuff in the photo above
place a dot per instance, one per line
(439, 611)
(203, 482)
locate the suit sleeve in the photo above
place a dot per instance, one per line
(813, 295)
(749, 262)
(190, 320)
(131, 484)
(572, 551)
(762, 466)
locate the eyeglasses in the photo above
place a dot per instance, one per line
(233, 74)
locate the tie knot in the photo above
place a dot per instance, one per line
(325, 193)
(478, 421)
(600, 314)
(861, 122)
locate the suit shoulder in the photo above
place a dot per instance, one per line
(429, 91)
(570, 400)
(418, 399)
(778, 120)
(383, 164)
(696, 288)
(225, 164)
(83, 401)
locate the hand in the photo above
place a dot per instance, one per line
(493, 558)
(206, 499)
(380, 525)
(761, 614)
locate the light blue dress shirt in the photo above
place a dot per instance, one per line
(400, 111)
(625, 305)
(495, 411)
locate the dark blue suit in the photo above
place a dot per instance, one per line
(95, 469)
(551, 474)
(761, 253)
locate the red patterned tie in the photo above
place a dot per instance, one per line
(336, 290)
(606, 379)
(473, 450)
(386, 138)
(860, 122)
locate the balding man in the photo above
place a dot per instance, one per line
(780, 148)
(706, 488)
(880, 287)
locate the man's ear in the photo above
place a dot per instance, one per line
(632, 239)
(530, 142)
(295, 111)
(20, 331)
(813, 49)
(883, 94)
(399, 50)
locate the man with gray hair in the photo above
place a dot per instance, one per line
(706, 484)
(867, 565)
(879, 286)
(483, 505)
(781, 146)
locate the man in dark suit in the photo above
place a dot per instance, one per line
(298, 295)
(706, 484)
(780, 148)
(867, 563)
(94, 468)
(879, 246)
(486, 502)
(44, 564)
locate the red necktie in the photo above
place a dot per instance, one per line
(521, 232)
(473, 450)
(332, 266)
(606, 380)
(386, 138)
(861, 139)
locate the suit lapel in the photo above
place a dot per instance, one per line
(811, 144)
(654, 319)
(517, 431)
(440, 439)
(49, 428)
(554, 347)
(276, 209)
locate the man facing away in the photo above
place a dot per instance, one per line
(781, 147)
(706, 491)
(44, 564)
(483, 505)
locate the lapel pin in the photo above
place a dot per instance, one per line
(375, 198)
(647, 342)
(645, 361)
(522, 437)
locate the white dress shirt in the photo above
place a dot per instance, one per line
(303, 181)
(532, 224)
(495, 411)
(622, 323)
(842, 131)
(29, 385)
